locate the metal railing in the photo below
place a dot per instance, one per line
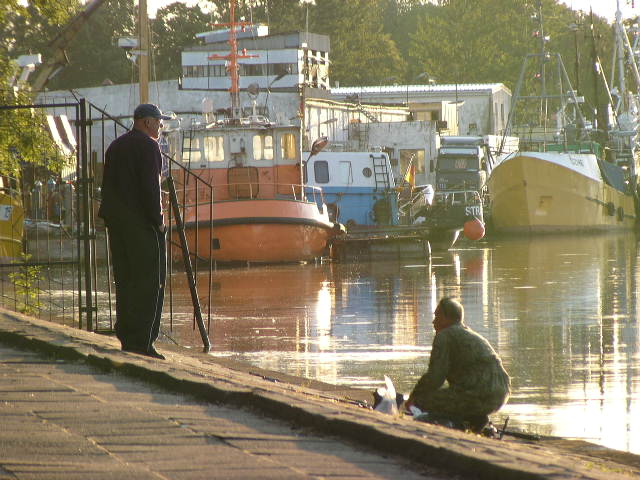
(63, 272)
(50, 276)
(246, 191)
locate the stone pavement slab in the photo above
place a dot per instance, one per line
(69, 420)
(190, 417)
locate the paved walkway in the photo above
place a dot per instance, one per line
(86, 410)
(70, 421)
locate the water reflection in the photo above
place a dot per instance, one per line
(560, 310)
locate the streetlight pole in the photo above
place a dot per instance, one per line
(143, 65)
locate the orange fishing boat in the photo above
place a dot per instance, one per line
(251, 203)
(255, 207)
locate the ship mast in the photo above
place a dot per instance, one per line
(626, 110)
(232, 58)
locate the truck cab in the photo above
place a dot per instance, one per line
(463, 163)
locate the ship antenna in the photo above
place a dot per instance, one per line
(232, 57)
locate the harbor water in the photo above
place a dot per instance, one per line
(562, 311)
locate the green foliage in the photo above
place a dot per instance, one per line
(372, 41)
(175, 27)
(25, 281)
(56, 11)
(485, 41)
(283, 15)
(471, 41)
(27, 29)
(94, 57)
(361, 52)
(24, 136)
(23, 133)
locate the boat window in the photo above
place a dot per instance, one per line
(268, 147)
(257, 147)
(414, 157)
(262, 147)
(458, 163)
(288, 146)
(191, 150)
(214, 148)
(321, 171)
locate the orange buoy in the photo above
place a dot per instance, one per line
(473, 229)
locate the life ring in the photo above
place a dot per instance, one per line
(611, 209)
(620, 214)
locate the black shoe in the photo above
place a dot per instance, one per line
(155, 354)
(147, 353)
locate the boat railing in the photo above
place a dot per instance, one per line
(252, 191)
(418, 200)
(569, 140)
(457, 198)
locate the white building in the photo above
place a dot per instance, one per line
(467, 109)
(283, 62)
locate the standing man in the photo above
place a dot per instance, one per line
(132, 210)
(477, 382)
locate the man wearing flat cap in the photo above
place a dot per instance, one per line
(132, 210)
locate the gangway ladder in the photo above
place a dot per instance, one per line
(380, 172)
(370, 116)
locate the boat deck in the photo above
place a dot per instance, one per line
(379, 243)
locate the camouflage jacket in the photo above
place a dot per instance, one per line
(467, 361)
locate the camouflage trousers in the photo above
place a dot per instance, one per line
(447, 401)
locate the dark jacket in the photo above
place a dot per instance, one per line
(131, 181)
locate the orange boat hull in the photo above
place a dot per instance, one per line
(262, 231)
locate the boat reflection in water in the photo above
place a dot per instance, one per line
(573, 343)
(561, 311)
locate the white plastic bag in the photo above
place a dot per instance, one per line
(388, 404)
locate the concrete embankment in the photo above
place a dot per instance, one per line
(317, 408)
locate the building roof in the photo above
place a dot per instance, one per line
(403, 89)
(216, 41)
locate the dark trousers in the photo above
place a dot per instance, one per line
(139, 259)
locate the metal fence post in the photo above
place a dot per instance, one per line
(86, 213)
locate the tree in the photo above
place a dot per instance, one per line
(284, 15)
(361, 52)
(94, 57)
(23, 136)
(468, 41)
(399, 21)
(174, 28)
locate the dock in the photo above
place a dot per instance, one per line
(386, 242)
